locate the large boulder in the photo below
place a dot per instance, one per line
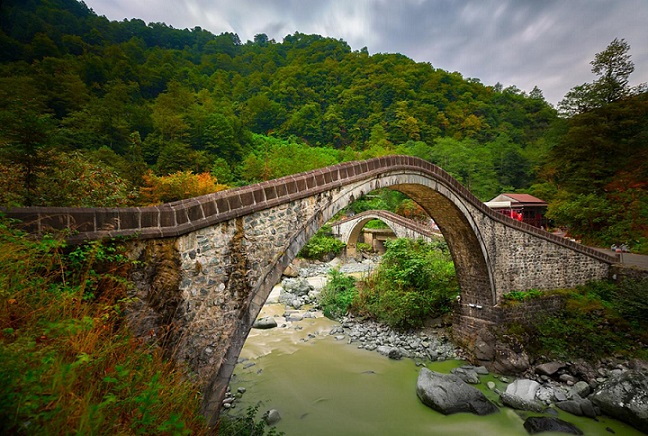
(549, 369)
(578, 406)
(510, 357)
(540, 424)
(267, 322)
(519, 403)
(625, 397)
(523, 388)
(448, 394)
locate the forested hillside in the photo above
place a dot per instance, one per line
(94, 112)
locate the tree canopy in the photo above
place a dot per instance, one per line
(137, 97)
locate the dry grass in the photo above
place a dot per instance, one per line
(68, 363)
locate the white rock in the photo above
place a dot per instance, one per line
(523, 388)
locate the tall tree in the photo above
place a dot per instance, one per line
(26, 131)
(613, 66)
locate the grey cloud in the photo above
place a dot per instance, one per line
(548, 43)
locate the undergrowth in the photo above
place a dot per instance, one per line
(600, 319)
(68, 363)
(338, 295)
(415, 280)
(322, 245)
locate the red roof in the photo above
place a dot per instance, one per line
(525, 198)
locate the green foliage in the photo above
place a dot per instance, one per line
(338, 295)
(362, 247)
(247, 425)
(376, 224)
(322, 245)
(613, 66)
(380, 199)
(599, 165)
(67, 360)
(599, 319)
(522, 295)
(272, 158)
(71, 80)
(415, 280)
(469, 162)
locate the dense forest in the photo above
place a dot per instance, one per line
(101, 113)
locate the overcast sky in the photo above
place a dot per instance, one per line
(548, 43)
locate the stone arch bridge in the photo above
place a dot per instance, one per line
(209, 263)
(348, 229)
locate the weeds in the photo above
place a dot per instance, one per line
(599, 319)
(68, 363)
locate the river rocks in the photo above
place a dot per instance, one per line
(448, 394)
(467, 374)
(510, 358)
(371, 336)
(524, 389)
(519, 403)
(549, 368)
(264, 323)
(521, 395)
(625, 397)
(272, 417)
(582, 389)
(391, 352)
(539, 424)
(578, 406)
(292, 271)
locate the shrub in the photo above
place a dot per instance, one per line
(415, 280)
(177, 186)
(322, 245)
(338, 295)
(599, 319)
(363, 248)
(522, 295)
(245, 425)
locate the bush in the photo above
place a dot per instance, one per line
(522, 295)
(599, 319)
(338, 295)
(177, 186)
(322, 245)
(414, 281)
(247, 425)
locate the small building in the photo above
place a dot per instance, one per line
(522, 207)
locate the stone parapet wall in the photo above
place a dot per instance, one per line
(174, 219)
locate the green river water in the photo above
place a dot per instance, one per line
(322, 386)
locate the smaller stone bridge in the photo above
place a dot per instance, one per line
(348, 229)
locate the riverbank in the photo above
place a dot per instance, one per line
(355, 377)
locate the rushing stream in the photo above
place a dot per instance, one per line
(324, 386)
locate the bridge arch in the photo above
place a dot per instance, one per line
(230, 248)
(349, 228)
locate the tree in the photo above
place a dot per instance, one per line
(26, 131)
(613, 66)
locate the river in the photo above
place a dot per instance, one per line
(323, 386)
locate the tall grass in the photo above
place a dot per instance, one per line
(68, 363)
